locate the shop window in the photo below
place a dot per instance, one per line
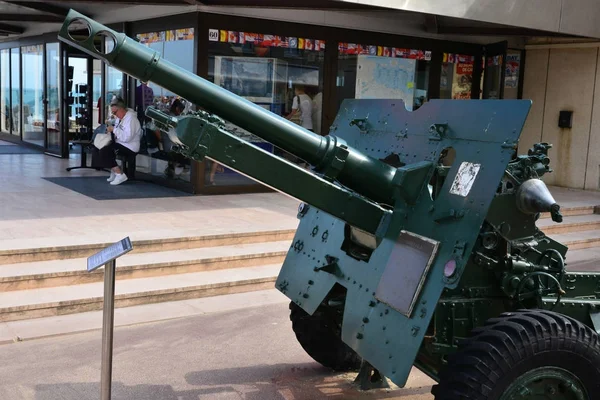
(15, 90)
(77, 98)
(33, 94)
(114, 85)
(156, 157)
(371, 72)
(96, 93)
(492, 77)
(53, 80)
(456, 80)
(276, 72)
(114, 88)
(5, 90)
(511, 76)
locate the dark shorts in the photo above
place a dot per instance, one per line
(106, 157)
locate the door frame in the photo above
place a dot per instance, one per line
(67, 52)
(492, 50)
(59, 152)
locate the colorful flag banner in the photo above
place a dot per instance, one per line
(258, 39)
(383, 51)
(168, 36)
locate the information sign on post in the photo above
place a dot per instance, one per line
(108, 257)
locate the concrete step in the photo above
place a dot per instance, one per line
(26, 251)
(583, 260)
(570, 224)
(45, 274)
(573, 210)
(46, 302)
(579, 240)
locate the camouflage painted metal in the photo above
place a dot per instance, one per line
(417, 241)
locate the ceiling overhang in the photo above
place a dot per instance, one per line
(437, 18)
(559, 17)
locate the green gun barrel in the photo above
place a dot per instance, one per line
(367, 176)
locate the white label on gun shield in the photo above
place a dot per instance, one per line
(463, 182)
(213, 35)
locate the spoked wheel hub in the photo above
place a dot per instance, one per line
(546, 383)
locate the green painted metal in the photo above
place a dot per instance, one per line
(546, 383)
(201, 135)
(425, 220)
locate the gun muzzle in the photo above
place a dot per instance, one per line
(534, 197)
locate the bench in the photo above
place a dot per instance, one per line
(128, 164)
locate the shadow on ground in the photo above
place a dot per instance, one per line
(263, 382)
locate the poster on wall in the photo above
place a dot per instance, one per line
(386, 78)
(462, 81)
(513, 63)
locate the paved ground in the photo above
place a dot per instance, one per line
(34, 210)
(249, 354)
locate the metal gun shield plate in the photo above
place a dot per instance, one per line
(483, 134)
(399, 286)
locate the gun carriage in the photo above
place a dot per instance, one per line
(417, 241)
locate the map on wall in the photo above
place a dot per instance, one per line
(386, 78)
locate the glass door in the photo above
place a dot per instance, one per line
(52, 100)
(494, 70)
(32, 111)
(79, 94)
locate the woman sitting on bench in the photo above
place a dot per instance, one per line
(126, 134)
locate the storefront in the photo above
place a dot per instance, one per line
(271, 63)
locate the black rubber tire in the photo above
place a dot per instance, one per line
(511, 345)
(319, 336)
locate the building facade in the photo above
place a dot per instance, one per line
(52, 95)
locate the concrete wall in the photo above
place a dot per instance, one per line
(565, 79)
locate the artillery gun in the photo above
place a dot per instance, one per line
(417, 241)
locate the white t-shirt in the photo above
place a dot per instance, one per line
(305, 108)
(128, 131)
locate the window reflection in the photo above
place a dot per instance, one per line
(77, 99)
(511, 77)
(33, 94)
(156, 155)
(284, 75)
(371, 72)
(456, 81)
(15, 77)
(96, 93)
(53, 96)
(5, 90)
(114, 88)
(492, 77)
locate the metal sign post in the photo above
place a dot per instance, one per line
(107, 257)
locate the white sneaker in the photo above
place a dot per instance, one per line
(119, 178)
(112, 176)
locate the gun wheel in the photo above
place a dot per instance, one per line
(320, 336)
(532, 354)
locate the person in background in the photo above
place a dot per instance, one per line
(126, 134)
(302, 107)
(176, 161)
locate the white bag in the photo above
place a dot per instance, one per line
(101, 140)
